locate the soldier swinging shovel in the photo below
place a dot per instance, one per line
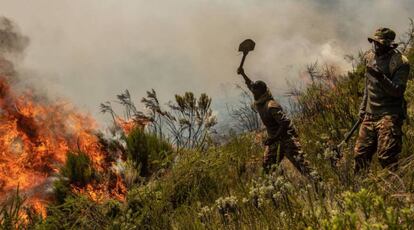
(280, 131)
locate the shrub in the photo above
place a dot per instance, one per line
(78, 169)
(147, 151)
(61, 190)
(145, 208)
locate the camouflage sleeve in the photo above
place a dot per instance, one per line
(280, 117)
(396, 86)
(363, 105)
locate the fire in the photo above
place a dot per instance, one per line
(35, 136)
(99, 192)
(128, 125)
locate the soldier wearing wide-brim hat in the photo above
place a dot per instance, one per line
(383, 106)
(384, 36)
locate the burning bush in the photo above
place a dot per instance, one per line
(78, 169)
(36, 133)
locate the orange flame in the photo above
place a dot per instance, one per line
(35, 136)
(128, 125)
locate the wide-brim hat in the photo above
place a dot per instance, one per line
(384, 36)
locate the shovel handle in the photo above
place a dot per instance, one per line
(355, 127)
(243, 58)
(337, 149)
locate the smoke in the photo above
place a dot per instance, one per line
(91, 50)
(12, 45)
(11, 40)
(35, 135)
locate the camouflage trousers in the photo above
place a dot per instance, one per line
(380, 134)
(288, 147)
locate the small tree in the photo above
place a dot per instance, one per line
(190, 120)
(187, 122)
(155, 113)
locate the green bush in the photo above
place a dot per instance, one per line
(78, 169)
(146, 208)
(147, 151)
(61, 190)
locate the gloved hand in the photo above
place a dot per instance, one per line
(375, 72)
(240, 71)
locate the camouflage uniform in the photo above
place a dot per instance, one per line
(383, 105)
(281, 135)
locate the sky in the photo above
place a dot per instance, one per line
(90, 50)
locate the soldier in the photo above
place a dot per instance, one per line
(383, 106)
(280, 130)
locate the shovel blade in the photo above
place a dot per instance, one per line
(247, 46)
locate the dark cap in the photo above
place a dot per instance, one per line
(260, 87)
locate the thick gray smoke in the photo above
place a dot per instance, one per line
(11, 41)
(12, 45)
(91, 50)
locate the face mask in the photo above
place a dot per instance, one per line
(379, 49)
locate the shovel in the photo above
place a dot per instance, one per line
(337, 149)
(245, 47)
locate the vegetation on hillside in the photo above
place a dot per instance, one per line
(205, 186)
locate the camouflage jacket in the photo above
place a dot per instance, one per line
(385, 95)
(271, 113)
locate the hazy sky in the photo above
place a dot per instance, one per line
(89, 51)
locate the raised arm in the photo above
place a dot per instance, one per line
(247, 80)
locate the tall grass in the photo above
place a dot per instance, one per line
(11, 212)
